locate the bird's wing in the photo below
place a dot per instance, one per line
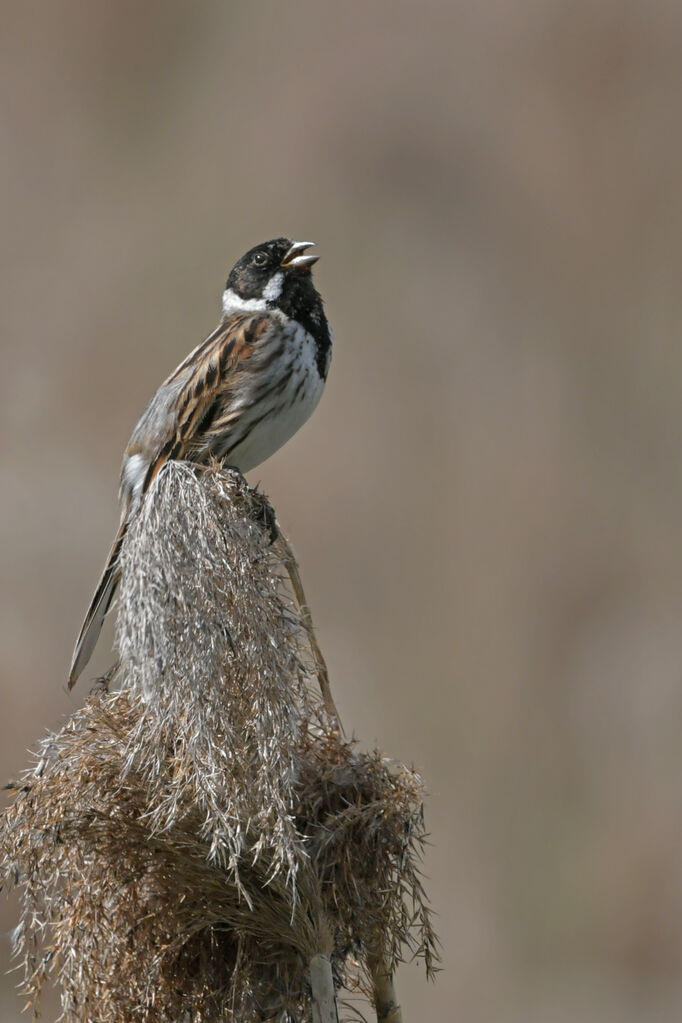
(178, 422)
(183, 415)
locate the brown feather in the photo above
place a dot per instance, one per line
(216, 367)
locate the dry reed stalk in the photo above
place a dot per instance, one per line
(383, 992)
(289, 560)
(199, 844)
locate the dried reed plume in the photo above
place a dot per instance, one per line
(203, 844)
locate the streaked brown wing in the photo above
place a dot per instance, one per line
(172, 426)
(207, 379)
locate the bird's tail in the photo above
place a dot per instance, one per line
(99, 606)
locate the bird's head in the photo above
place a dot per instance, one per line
(274, 275)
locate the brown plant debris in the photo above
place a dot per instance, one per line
(187, 844)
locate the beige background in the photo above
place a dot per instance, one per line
(488, 503)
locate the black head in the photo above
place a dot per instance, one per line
(272, 272)
(276, 275)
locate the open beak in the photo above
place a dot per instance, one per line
(294, 258)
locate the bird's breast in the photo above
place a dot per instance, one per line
(279, 393)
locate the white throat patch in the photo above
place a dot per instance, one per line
(234, 303)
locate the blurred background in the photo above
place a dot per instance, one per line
(486, 504)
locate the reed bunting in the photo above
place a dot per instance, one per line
(238, 397)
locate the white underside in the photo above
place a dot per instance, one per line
(290, 411)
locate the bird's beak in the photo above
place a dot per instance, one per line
(294, 258)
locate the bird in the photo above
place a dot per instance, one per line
(236, 398)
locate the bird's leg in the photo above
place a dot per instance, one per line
(269, 519)
(237, 473)
(265, 513)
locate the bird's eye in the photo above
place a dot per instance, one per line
(259, 258)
